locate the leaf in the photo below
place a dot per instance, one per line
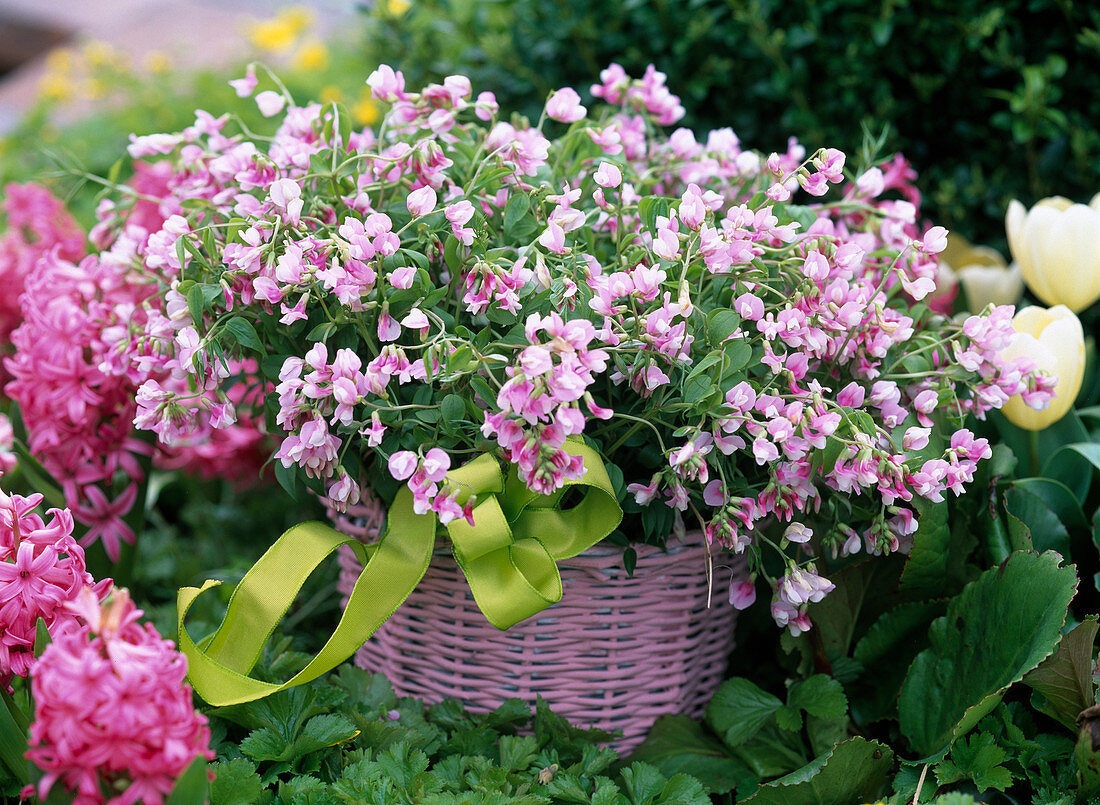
(41, 638)
(642, 782)
(1064, 679)
(514, 210)
(195, 302)
(886, 650)
(13, 741)
(977, 758)
(190, 788)
(650, 208)
(721, 324)
(854, 771)
(1045, 529)
(1057, 497)
(242, 330)
(319, 732)
(680, 744)
(820, 696)
(235, 783)
(996, 630)
(738, 351)
(928, 562)
(739, 709)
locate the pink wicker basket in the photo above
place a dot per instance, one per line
(616, 653)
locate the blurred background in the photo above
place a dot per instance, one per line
(988, 101)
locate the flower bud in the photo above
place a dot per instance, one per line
(985, 277)
(1053, 338)
(1057, 245)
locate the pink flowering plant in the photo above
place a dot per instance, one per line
(755, 344)
(111, 719)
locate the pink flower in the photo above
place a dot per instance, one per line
(402, 277)
(742, 594)
(402, 464)
(459, 214)
(41, 569)
(386, 84)
(244, 86)
(608, 175)
(270, 102)
(435, 465)
(421, 201)
(565, 105)
(934, 240)
(112, 708)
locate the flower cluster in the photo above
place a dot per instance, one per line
(453, 284)
(37, 224)
(76, 366)
(41, 572)
(112, 711)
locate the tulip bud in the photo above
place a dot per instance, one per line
(1053, 338)
(983, 274)
(1057, 245)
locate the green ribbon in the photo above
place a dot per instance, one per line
(509, 557)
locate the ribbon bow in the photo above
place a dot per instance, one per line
(509, 556)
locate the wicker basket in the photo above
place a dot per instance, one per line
(616, 653)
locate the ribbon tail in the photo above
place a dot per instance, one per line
(218, 667)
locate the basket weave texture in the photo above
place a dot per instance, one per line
(616, 653)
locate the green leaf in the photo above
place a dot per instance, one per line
(855, 771)
(642, 782)
(514, 211)
(13, 740)
(1064, 679)
(650, 208)
(190, 788)
(319, 732)
(887, 649)
(929, 560)
(996, 630)
(1057, 497)
(453, 408)
(242, 330)
(721, 324)
(41, 638)
(195, 302)
(739, 709)
(977, 759)
(738, 351)
(235, 783)
(678, 744)
(1043, 526)
(820, 696)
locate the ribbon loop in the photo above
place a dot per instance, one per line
(509, 557)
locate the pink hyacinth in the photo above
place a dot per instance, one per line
(41, 570)
(112, 711)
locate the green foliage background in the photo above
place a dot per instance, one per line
(990, 101)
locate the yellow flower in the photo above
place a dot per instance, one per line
(1053, 338)
(397, 7)
(55, 87)
(331, 93)
(157, 61)
(280, 33)
(983, 274)
(366, 110)
(311, 57)
(1057, 244)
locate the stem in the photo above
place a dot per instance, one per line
(1033, 452)
(920, 784)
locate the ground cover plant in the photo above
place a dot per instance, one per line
(760, 343)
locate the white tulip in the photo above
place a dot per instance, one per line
(1057, 246)
(1053, 338)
